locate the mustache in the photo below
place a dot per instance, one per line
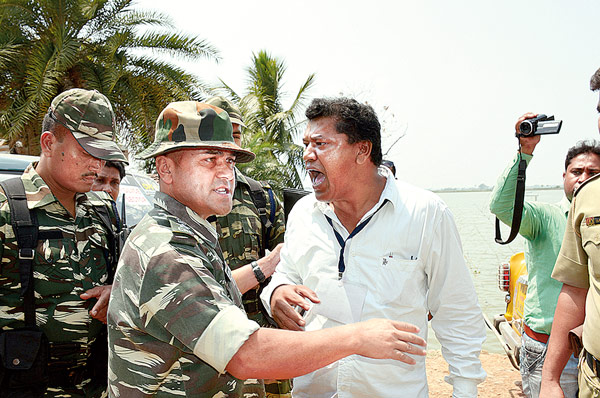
(90, 174)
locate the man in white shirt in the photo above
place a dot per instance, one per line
(365, 245)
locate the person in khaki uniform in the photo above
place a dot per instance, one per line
(244, 237)
(578, 268)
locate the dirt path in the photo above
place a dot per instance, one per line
(500, 382)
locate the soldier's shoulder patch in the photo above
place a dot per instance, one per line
(590, 221)
(183, 239)
(182, 234)
(586, 182)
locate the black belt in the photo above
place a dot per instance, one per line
(592, 362)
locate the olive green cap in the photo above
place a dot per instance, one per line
(89, 116)
(233, 111)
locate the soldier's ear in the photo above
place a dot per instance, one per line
(47, 140)
(164, 168)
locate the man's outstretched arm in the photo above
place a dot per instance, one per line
(293, 354)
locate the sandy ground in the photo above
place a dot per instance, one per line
(500, 382)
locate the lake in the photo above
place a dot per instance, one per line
(476, 227)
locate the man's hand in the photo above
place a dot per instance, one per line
(283, 300)
(527, 143)
(268, 263)
(551, 390)
(102, 293)
(384, 338)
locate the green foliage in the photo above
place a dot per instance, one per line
(48, 46)
(270, 128)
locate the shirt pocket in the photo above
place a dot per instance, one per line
(53, 272)
(390, 279)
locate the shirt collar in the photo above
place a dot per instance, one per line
(187, 215)
(564, 204)
(389, 193)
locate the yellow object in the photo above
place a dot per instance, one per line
(517, 289)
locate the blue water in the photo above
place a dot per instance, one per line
(482, 254)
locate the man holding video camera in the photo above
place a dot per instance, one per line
(542, 226)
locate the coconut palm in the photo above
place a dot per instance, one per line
(271, 130)
(48, 46)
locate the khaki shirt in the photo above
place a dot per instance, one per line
(578, 262)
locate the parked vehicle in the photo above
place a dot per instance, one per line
(138, 190)
(508, 327)
(14, 165)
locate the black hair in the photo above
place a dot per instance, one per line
(595, 81)
(357, 121)
(587, 146)
(595, 85)
(50, 124)
(117, 165)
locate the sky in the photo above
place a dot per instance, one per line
(453, 75)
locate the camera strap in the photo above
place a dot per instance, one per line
(518, 207)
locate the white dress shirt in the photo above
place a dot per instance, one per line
(409, 257)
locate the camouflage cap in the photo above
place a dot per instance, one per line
(191, 124)
(90, 118)
(233, 111)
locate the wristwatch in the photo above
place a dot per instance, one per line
(260, 277)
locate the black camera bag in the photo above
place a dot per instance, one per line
(24, 352)
(24, 355)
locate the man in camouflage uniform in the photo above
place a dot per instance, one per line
(70, 267)
(176, 324)
(242, 238)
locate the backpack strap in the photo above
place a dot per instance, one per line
(257, 193)
(25, 226)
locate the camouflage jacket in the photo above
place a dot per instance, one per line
(175, 317)
(240, 235)
(240, 232)
(68, 261)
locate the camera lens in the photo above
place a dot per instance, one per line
(525, 127)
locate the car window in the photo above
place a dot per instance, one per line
(138, 191)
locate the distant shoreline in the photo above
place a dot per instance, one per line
(489, 189)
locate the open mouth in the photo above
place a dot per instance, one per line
(222, 191)
(316, 177)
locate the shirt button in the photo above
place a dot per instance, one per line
(16, 361)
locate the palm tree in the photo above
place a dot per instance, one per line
(48, 46)
(270, 128)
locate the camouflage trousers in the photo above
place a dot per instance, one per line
(254, 388)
